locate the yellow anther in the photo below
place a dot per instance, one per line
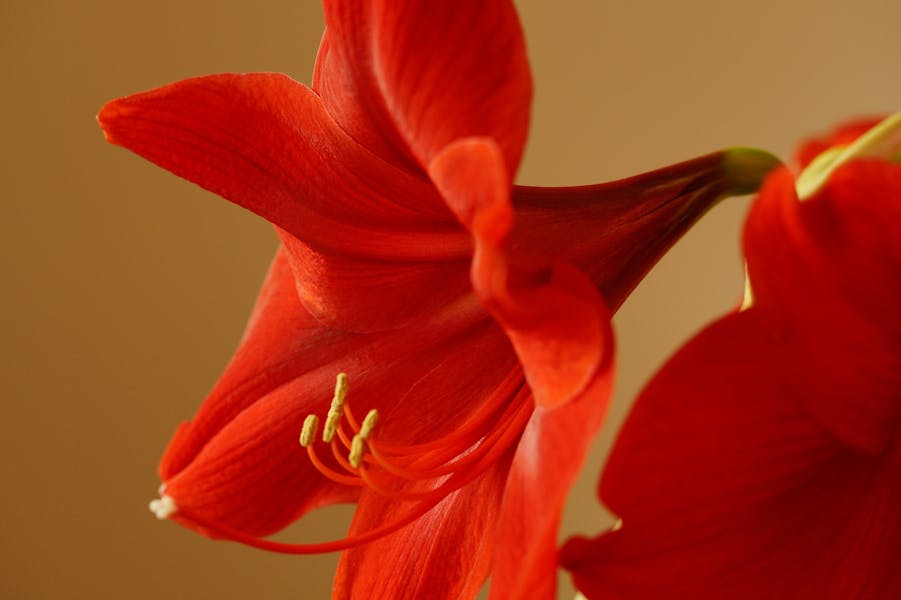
(336, 409)
(355, 458)
(372, 417)
(357, 444)
(310, 425)
(340, 389)
(331, 426)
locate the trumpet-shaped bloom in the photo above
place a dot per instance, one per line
(764, 459)
(470, 316)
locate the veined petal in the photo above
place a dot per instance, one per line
(726, 487)
(266, 143)
(552, 314)
(826, 273)
(281, 342)
(371, 294)
(445, 554)
(407, 78)
(251, 475)
(211, 471)
(547, 462)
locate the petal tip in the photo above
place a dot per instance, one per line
(109, 114)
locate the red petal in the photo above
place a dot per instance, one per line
(553, 315)
(250, 473)
(825, 272)
(281, 342)
(407, 78)
(546, 464)
(266, 143)
(208, 466)
(445, 554)
(365, 294)
(727, 488)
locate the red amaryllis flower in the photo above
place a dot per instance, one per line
(471, 315)
(764, 459)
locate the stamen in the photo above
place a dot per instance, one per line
(356, 445)
(336, 409)
(330, 473)
(356, 452)
(310, 425)
(423, 472)
(372, 417)
(163, 507)
(339, 453)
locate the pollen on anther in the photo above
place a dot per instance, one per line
(355, 457)
(163, 507)
(336, 409)
(372, 417)
(310, 425)
(340, 388)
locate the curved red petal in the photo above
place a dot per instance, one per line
(343, 78)
(553, 315)
(825, 272)
(407, 78)
(266, 143)
(546, 463)
(371, 294)
(281, 342)
(215, 468)
(252, 475)
(727, 488)
(446, 554)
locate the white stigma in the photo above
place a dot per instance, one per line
(163, 507)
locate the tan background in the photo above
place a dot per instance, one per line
(125, 289)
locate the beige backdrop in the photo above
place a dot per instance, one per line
(125, 288)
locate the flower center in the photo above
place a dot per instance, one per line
(420, 474)
(426, 472)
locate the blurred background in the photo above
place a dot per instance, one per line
(125, 289)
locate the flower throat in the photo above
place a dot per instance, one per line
(422, 474)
